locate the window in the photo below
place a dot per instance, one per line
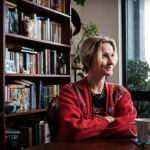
(137, 45)
(136, 48)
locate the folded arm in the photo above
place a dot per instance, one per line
(125, 113)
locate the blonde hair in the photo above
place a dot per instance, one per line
(91, 46)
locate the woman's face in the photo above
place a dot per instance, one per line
(103, 61)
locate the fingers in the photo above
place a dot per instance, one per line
(109, 118)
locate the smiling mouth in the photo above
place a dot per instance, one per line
(109, 68)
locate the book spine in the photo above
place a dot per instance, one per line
(45, 61)
(53, 59)
(45, 97)
(32, 88)
(6, 18)
(49, 65)
(64, 6)
(6, 93)
(48, 29)
(42, 62)
(43, 132)
(47, 133)
(39, 94)
(54, 90)
(37, 64)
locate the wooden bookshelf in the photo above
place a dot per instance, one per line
(13, 41)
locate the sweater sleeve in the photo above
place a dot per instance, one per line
(125, 113)
(73, 125)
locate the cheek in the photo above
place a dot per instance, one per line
(102, 64)
(97, 63)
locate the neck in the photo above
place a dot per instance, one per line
(96, 84)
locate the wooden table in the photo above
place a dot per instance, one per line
(94, 144)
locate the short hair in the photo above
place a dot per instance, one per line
(91, 46)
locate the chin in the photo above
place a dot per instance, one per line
(109, 74)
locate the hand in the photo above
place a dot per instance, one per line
(110, 119)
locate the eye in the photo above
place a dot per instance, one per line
(104, 56)
(112, 55)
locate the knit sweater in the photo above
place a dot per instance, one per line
(77, 122)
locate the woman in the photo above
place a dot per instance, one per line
(94, 107)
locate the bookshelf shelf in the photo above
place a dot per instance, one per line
(26, 40)
(39, 9)
(43, 57)
(36, 75)
(27, 112)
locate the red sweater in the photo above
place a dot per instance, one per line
(77, 122)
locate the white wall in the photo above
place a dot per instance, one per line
(106, 14)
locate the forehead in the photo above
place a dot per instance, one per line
(104, 47)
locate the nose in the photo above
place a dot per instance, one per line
(111, 61)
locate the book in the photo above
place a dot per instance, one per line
(49, 65)
(44, 96)
(21, 82)
(37, 64)
(32, 100)
(46, 61)
(21, 63)
(28, 50)
(12, 142)
(63, 6)
(38, 2)
(39, 95)
(42, 62)
(50, 93)
(12, 131)
(27, 82)
(53, 61)
(26, 63)
(59, 33)
(47, 133)
(6, 93)
(35, 129)
(26, 135)
(45, 3)
(52, 4)
(16, 61)
(30, 92)
(11, 4)
(53, 31)
(58, 89)
(54, 90)
(6, 18)
(43, 36)
(42, 132)
(21, 23)
(48, 29)
(39, 29)
(10, 66)
(15, 86)
(13, 21)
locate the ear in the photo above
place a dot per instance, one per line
(86, 63)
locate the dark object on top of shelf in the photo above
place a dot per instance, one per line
(80, 2)
(12, 106)
(76, 21)
(13, 143)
